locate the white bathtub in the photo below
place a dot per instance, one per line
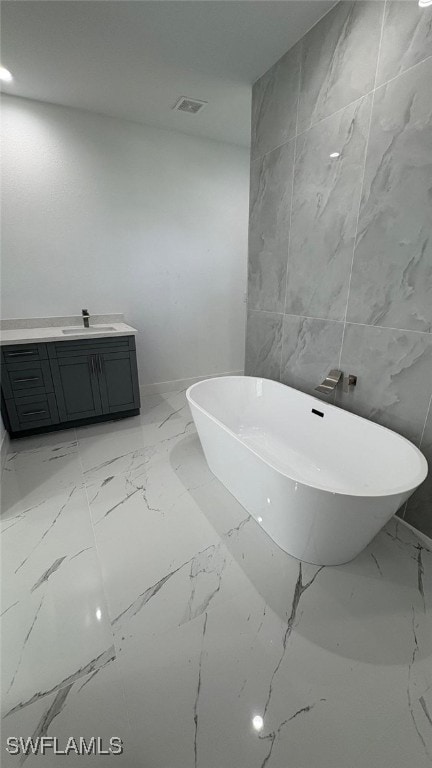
(319, 480)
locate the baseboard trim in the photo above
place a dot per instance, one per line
(415, 530)
(176, 384)
(4, 450)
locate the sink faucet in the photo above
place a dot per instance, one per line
(332, 380)
(85, 316)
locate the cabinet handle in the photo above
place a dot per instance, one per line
(18, 354)
(29, 378)
(91, 364)
(100, 363)
(33, 413)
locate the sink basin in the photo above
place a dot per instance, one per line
(92, 329)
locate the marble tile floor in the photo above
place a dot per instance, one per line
(140, 600)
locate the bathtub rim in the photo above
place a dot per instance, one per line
(423, 471)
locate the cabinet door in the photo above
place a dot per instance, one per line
(118, 379)
(76, 387)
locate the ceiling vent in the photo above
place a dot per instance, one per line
(192, 106)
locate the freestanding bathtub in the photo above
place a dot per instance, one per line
(319, 480)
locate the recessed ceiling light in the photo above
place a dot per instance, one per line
(425, 3)
(5, 75)
(335, 154)
(258, 723)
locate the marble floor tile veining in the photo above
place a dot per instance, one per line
(140, 601)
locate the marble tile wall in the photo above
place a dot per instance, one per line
(340, 249)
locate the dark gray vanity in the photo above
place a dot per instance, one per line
(65, 383)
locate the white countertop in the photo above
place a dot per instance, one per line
(55, 333)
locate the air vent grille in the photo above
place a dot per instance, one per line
(192, 106)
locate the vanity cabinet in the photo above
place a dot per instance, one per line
(68, 383)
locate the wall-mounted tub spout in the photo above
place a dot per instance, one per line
(333, 379)
(330, 382)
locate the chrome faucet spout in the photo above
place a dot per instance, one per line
(330, 382)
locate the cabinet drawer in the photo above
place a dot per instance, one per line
(91, 346)
(24, 353)
(20, 379)
(31, 412)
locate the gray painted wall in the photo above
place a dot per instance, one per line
(121, 217)
(340, 250)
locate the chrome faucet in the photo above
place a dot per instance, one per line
(85, 317)
(332, 380)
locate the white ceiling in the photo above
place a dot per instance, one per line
(135, 59)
